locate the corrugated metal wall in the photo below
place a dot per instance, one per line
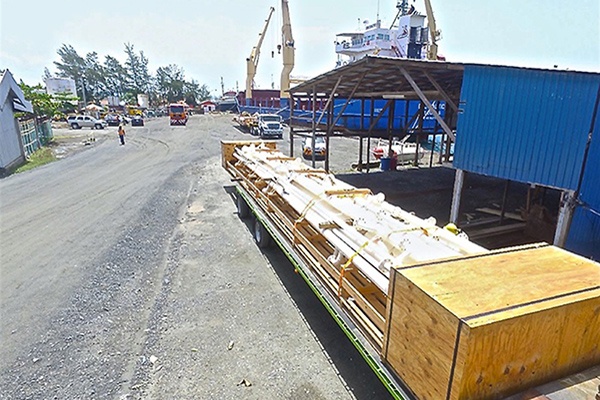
(584, 233)
(10, 143)
(525, 125)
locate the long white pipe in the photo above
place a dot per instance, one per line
(377, 234)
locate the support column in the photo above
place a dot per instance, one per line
(565, 214)
(327, 134)
(360, 137)
(371, 125)
(314, 124)
(291, 105)
(459, 180)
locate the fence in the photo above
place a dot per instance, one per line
(34, 135)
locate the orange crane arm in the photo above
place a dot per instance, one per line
(288, 49)
(432, 51)
(252, 61)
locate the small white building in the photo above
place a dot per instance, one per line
(208, 106)
(12, 100)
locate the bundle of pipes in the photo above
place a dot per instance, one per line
(365, 231)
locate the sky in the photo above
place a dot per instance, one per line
(211, 40)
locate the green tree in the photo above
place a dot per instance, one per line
(43, 103)
(73, 66)
(95, 78)
(138, 77)
(170, 83)
(67, 103)
(47, 75)
(195, 93)
(115, 77)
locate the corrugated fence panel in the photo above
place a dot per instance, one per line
(584, 233)
(525, 125)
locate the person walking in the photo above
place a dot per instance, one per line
(122, 134)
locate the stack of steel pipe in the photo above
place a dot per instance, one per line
(362, 227)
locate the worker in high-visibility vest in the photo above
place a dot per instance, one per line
(122, 134)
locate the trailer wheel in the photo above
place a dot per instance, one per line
(242, 207)
(261, 235)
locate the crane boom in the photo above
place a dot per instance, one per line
(252, 61)
(432, 51)
(288, 50)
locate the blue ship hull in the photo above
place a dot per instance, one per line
(405, 110)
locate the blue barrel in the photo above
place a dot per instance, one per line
(385, 163)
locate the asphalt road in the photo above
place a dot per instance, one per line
(125, 273)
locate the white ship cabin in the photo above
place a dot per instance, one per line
(407, 40)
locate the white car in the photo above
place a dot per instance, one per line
(320, 148)
(402, 150)
(85, 121)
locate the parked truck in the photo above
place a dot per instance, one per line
(435, 315)
(268, 126)
(177, 114)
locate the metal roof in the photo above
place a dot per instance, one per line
(381, 77)
(10, 88)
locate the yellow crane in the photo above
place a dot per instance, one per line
(288, 50)
(252, 61)
(432, 50)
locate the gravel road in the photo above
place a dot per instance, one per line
(125, 273)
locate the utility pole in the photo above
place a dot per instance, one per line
(83, 92)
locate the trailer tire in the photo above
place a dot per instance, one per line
(242, 207)
(261, 235)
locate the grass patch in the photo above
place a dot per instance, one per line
(40, 157)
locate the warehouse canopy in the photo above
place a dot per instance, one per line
(384, 77)
(389, 78)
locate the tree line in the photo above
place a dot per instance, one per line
(96, 80)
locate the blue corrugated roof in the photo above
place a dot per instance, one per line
(525, 125)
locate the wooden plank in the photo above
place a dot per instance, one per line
(432, 109)
(280, 158)
(513, 319)
(495, 230)
(509, 215)
(421, 342)
(536, 348)
(348, 192)
(488, 283)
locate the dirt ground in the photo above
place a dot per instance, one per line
(69, 141)
(425, 191)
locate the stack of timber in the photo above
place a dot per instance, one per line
(247, 121)
(450, 318)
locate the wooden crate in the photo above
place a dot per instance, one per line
(491, 325)
(228, 148)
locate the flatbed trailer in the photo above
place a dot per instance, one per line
(366, 350)
(405, 348)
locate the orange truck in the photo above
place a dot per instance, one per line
(177, 114)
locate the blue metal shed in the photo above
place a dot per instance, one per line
(536, 126)
(584, 235)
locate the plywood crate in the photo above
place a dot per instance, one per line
(228, 148)
(491, 325)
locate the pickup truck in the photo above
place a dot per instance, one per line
(85, 121)
(268, 126)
